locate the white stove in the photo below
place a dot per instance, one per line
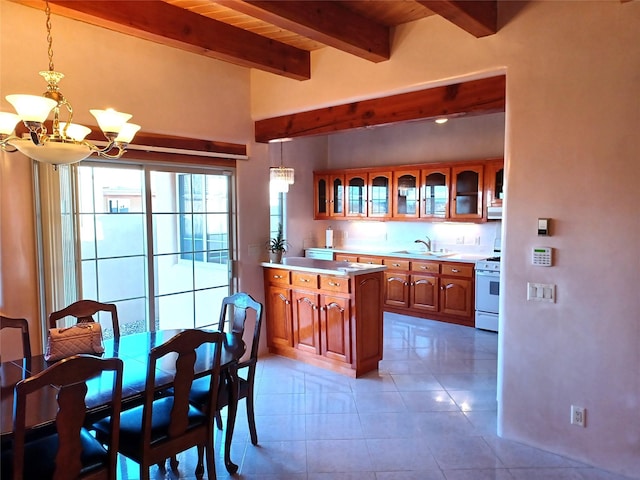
(488, 293)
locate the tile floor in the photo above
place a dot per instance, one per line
(428, 414)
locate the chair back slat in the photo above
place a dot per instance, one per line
(84, 311)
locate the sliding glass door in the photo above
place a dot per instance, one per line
(156, 242)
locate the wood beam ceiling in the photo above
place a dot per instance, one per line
(326, 22)
(173, 26)
(479, 17)
(476, 97)
(361, 28)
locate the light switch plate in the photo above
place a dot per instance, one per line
(541, 292)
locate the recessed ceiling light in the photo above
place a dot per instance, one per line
(440, 121)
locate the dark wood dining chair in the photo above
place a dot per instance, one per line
(21, 324)
(69, 452)
(240, 303)
(84, 311)
(167, 424)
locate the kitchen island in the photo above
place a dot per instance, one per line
(325, 313)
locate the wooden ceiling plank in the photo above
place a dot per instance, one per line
(479, 17)
(176, 27)
(326, 22)
(476, 97)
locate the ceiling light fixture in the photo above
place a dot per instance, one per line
(65, 144)
(440, 121)
(281, 177)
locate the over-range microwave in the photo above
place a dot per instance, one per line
(494, 213)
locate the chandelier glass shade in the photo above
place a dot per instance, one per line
(64, 142)
(281, 177)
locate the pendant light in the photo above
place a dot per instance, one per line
(281, 177)
(65, 143)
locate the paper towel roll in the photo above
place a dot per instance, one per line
(328, 243)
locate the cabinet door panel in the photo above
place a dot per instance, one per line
(424, 293)
(405, 194)
(356, 196)
(306, 316)
(456, 296)
(336, 328)
(279, 319)
(379, 195)
(434, 193)
(396, 292)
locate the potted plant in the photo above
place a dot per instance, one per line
(277, 246)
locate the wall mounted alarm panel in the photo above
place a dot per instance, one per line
(541, 256)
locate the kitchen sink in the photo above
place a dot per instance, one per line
(423, 253)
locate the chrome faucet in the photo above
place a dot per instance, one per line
(426, 242)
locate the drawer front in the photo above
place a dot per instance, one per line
(305, 280)
(279, 276)
(396, 264)
(341, 257)
(370, 260)
(457, 270)
(334, 284)
(425, 267)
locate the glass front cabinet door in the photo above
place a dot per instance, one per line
(494, 178)
(405, 193)
(321, 196)
(379, 195)
(356, 195)
(328, 196)
(435, 192)
(466, 192)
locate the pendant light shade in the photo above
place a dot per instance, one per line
(281, 177)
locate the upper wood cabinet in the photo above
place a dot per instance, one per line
(466, 192)
(439, 191)
(434, 195)
(328, 196)
(368, 194)
(406, 193)
(494, 183)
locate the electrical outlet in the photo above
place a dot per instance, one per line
(478, 240)
(578, 416)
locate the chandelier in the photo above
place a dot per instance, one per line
(281, 177)
(66, 143)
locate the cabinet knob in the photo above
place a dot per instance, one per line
(278, 276)
(395, 264)
(333, 284)
(306, 280)
(409, 283)
(455, 270)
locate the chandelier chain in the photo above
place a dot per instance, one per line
(49, 37)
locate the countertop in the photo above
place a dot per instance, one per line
(412, 254)
(327, 267)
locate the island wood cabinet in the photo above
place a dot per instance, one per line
(434, 289)
(330, 321)
(434, 192)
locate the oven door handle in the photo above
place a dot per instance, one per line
(487, 274)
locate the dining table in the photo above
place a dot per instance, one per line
(134, 351)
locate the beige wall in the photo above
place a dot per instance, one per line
(573, 108)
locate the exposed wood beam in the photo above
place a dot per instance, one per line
(161, 142)
(478, 17)
(323, 21)
(476, 97)
(176, 27)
